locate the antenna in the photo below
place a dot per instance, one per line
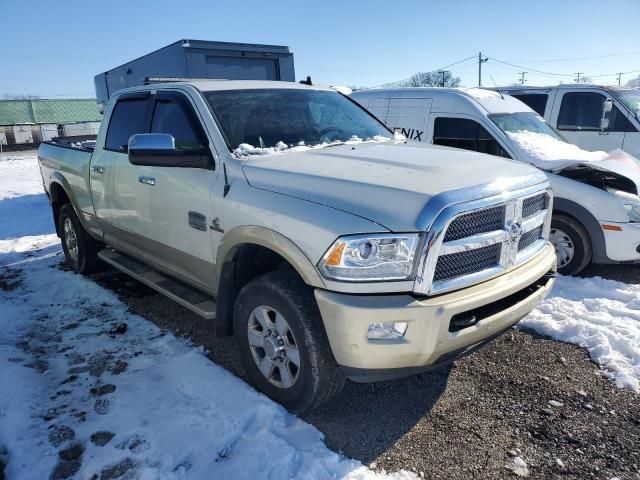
(497, 87)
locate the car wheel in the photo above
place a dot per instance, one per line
(283, 344)
(80, 250)
(572, 244)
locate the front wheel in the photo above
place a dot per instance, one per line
(572, 244)
(282, 342)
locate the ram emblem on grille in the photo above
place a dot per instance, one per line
(515, 232)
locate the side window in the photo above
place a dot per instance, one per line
(172, 116)
(128, 118)
(583, 111)
(466, 134)
(535, 101)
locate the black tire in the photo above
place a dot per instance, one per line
(580, 240)
(85, 260)
(319, 377)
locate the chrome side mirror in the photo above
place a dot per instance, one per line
(159, 150)
(607, 106)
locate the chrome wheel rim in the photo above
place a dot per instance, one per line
(70, 239)
(565, 249)
(273, 347)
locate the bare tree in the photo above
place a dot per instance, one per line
(634, 82)
(432, 79)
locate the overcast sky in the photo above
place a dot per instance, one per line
(55, 48)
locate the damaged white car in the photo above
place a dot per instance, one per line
(596, 211)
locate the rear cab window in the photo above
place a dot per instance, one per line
(129, 117)
(535, 101)
(466, 134)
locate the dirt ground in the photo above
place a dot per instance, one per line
(523, 396)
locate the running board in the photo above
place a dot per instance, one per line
(179, 292)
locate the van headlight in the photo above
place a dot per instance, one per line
(631, 203)
(371, 258)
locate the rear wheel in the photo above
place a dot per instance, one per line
(572, 244)
(80, 250)
(282, 342)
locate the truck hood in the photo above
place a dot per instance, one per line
(387, 183)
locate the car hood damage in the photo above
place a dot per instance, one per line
(618, 170)
(389, 184)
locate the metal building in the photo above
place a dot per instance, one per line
(200, 59)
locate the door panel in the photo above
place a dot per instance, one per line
(409, 117)
(113, 185)
(176, 199)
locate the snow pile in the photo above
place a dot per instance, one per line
(91, 389)
(600, 315)
(481, 93)
(246, 150)
(24, 209)
(549, 153)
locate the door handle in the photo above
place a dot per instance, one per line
(147, 180)
(97, 168)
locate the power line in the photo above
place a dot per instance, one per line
(575, 58)
(431, 71)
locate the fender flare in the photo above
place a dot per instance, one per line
(589, 222)
(265, 237)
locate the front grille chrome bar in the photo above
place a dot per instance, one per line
(431, 279)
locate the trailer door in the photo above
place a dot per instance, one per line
(242, 68)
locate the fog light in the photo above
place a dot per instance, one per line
(387, 330)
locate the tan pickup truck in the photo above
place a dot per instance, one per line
(298, 223)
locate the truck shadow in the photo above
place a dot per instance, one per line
(365, 420)
(30, 213)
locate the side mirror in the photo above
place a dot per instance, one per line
(159, 149)
(607, 106)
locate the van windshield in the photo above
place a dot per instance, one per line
(630, 99)
(521, 122)
(282, 118)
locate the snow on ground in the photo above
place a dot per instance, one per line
(78, 370)
(600, 315)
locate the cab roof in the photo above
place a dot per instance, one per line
(452, 99)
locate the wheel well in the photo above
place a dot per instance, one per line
(58, 198)
(249, 261)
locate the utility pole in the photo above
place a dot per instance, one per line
(443, 73)
(578, 76)
(619, 77)
(481, 60)
(522, 74)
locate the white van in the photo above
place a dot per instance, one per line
(596, 212)
(594, 117)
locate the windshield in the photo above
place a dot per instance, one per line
(630, 99)
(272, 117)
(524, 122)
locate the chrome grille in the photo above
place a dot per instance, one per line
(473, 242)
(463, 263)
(532, 205)
(476, 222)
(528, 238)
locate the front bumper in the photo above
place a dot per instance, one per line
(498, 303)
(621, 244)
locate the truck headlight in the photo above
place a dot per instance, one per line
(631, 203)
(371, 258)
